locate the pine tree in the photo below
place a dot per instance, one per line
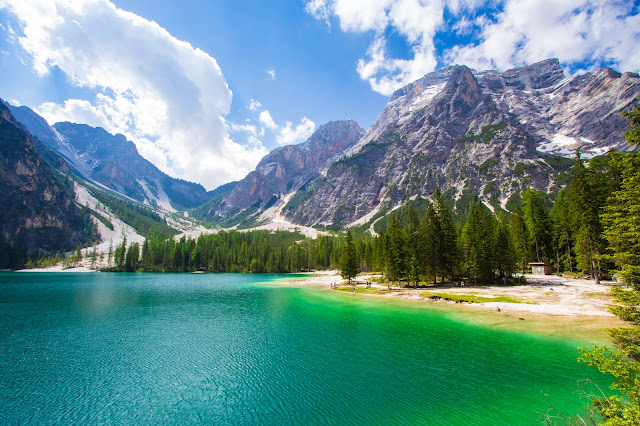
(587, 229)
(395, 252)
(431, 236)
(537, 223)
(131, 260)
(633, 136)
(519, 238)
(448, 245)
(349, 260)
(621, 219)
(561, 220)
(503, 257)
(478, 235)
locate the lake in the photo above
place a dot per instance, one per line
(230, 349)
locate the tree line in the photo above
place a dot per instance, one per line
(229, 251)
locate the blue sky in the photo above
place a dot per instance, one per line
(206, 88)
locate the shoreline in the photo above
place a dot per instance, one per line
(573, 309)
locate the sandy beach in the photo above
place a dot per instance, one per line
(548, 305)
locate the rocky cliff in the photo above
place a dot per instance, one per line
(491, 133)
(38, 211)
(282, 173)
(113, 161)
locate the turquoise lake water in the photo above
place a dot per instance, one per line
(228, 349)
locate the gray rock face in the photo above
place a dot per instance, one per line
(285, 170)
(38, 211)
(491, 133)
(113, 161)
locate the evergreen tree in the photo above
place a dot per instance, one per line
(621, 219)
(395, 252)
(349, 264)
(432, 241)
(587, 229)
(448, 245)
(519, 239)
(633, 136)
(504, 258)
(561, 226)
(478, 236)
(131, 260)
(537, 223)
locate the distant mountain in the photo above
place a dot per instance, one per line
(38, 211)
(488, 133)
(112, 161)
(280, 174)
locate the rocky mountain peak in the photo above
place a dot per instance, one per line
(284, 171)
(486, 132)
(535, 76)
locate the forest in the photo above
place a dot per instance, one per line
(587, 230)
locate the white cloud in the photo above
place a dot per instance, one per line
(272, 73)
(507, 33)
(81, 111)
(167, 96)
(572, 30)
(319, 9)
(267, 120)
(254, 105)
(289, 135)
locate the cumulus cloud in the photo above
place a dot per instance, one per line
(254, 105)
(575, 31)
(272, 73)
(289, 135)
(503, 34)
(267, 120)
(165, 95)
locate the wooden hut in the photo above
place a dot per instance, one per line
(540, 268)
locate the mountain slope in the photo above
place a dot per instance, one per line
(113, 161)
(37, 210)
(490, 133)
(282, 173)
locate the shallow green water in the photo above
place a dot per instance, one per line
(222, 349)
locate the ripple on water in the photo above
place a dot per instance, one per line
(215, 349)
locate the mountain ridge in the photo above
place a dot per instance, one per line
(113, 161)
(486, 131)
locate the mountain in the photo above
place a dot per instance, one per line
(488, 133)
(112, 161)
(38, 211)
(282, 173)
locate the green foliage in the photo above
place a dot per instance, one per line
(621, 221)
(484, 167)
(233, 251)
(478, 242)
(561, 232)
(633, 136)
(585, 199)
(514, 200)
(623, 364)
(301, 195)
(558, 162)
(487, 134)
(522, 167)
(469, 298)
(620, 218)
(536, 220)
(144, 220)
(349, 262)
